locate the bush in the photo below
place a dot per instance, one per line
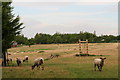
(77, 55)
(84, 54)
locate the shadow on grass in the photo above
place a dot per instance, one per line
(89, 55)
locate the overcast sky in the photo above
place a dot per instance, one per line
(67, 17)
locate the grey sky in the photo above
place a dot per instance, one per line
(68, 17)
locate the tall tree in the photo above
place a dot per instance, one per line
(20, 39)
(11, 26)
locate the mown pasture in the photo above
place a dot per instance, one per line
(67, 65)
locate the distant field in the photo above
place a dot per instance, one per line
(65, 66)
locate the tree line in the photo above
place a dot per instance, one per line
(58, 38)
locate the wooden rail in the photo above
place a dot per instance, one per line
(85, 47)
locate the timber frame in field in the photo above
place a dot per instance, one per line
(85, 48)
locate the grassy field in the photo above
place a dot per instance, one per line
(65, 66)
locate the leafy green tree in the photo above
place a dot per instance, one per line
(20, 39)
(31, 41)
(58, 39)
(109, 38)
(37, 38)
(42, 38)
(10, 27)
(118, 38)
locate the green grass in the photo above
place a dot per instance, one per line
(61, 70)
(65, 66)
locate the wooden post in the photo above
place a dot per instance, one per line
(87, 46)
(80, 46)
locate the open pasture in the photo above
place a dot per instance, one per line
(67, 65)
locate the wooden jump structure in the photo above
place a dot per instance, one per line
(85, 47)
